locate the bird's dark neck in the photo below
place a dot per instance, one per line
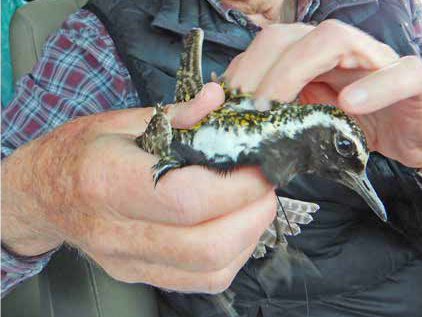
(280, 159)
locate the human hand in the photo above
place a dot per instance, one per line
(331, 63)
(88, 184)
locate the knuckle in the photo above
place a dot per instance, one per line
(331, 29)
(131, 271)
(334, 29)
(414, 162)
(215, 256)
(282, 29)
(332, 25)
(301, 27)
(271, 30)
(412, 158)
(219, 282)
(413, 62)
(270, 34)
(116, 271)
(238, 58)
(389, 50)
(275, 33)
(282, 34)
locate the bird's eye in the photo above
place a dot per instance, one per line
(344, 146)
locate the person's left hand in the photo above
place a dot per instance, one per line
(337, 64)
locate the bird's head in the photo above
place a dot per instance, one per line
(323, 140)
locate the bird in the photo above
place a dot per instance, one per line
(287, 140)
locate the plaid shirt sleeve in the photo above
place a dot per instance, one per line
(417, 23)
(15, 269)
(78, 74)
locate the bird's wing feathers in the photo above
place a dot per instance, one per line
(189, 75)
(297, 212)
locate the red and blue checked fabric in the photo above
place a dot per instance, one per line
(16, 269)
(417, 22)
(78, 74)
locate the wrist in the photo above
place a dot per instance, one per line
(24, 229)
(25, 238)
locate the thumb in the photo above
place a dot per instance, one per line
(185, 114)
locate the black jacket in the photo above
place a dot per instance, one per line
(368, 268)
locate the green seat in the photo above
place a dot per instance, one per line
(69, 286)
(30, 26)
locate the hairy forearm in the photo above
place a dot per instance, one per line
(34, 184)
(23, 235)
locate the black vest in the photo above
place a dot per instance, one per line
(368, 268)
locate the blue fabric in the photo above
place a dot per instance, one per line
(8, 7)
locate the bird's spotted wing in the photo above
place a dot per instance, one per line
(189, 75)
(156, 140)
(157, 137)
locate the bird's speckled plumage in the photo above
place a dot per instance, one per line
(290, 138)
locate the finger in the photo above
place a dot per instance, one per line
(233, 67)
(263, 52)
(175, 279)
(318, 55)
(206, 247)
(124, 121)
(183, 115)
(183, 196)
(384, 87)
(339, 78)
(318, 93)
(197, 194)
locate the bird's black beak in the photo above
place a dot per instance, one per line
(361, 185)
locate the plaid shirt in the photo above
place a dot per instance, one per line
(80, 74)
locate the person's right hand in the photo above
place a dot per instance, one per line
(86, 183)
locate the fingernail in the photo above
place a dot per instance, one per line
(262, 104)
(356, 97)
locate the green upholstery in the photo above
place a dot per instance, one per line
(69, 286)
(73, 287)
(31, 25)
